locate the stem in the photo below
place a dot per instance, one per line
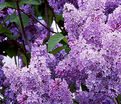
(22, 25)
(116, 101)
(56, 27)
(30, 15)
(47, 21)
(15, 60)
(18, 61)
(43, 24)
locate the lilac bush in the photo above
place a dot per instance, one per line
(81, 64)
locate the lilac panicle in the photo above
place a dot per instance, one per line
(58, 5)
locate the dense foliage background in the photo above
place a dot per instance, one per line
(79, 63)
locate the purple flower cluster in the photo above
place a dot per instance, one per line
(2, 77)
(34, 85)
(5, 91)
(59, 92)
(114, 19)
(58, 5)
(71, 68)
(84, 97)
(94, 61)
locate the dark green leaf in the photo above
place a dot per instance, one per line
(11, 51)
(76, 101)
(12, 48)
(12, 37)
(7, 32)
(57, 50)
(25, 19)
(15, 18)
(84, 88)
(24, 60)
(37, 10)
(3, 5)
(54, 40)
(4, 30)
(7, 18)
(40, 11)
(72, 87)
(64, 32)
(65, 40)
(58, 18)
(67, 49)
(7, 4)
(33, 2)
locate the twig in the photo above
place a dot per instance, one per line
(22, 25)
(18, 61)
(47, 21)
(56, 27)
(116, 101)
(15, 60)
(30, 15)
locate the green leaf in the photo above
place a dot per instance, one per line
(9, 48)
(67, 49)
(40, 11)
(25, 19)
(3, 5)
(4, 30)
(76, 101)
(72, 87)
(37, 10)
(33, 2)
(64, 32)
(11, 51)
(12, 37)
(65, 40)
(58, 18)
(15, 18)
(7, 32)
(7, 4)
(54, 40)
(7, 18)
(57, 50)
(24, 60)
(84, 88)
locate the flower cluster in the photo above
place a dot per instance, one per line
(94, 59)
(84, 97)
(34, 84)
(58, 5)
(89, 74)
